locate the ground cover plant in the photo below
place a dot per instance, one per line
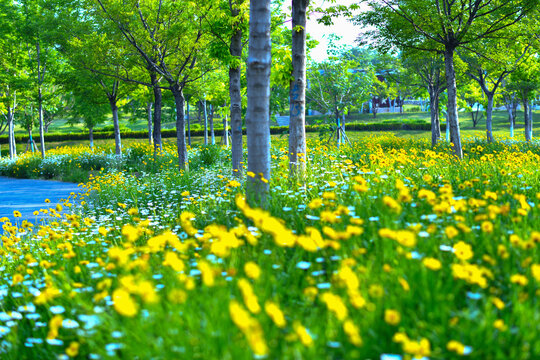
(389, 250)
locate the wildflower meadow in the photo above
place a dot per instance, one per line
(388, 249)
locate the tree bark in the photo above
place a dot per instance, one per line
(258, 108)
(41, 127)
(297, 91)
(236, 99)
(434, 112)
(526, 116)
(489, 116)
(11, 135)
(453, 119)
(188, 123)
(180, 127)
(149, 113)
(225, 131)
(158, 103)
(203, 104)
(211, 123)
(117, 138)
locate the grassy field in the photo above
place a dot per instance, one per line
(388, 249)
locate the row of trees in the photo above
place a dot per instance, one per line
(495, 38)
(102, 54)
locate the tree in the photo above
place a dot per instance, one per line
(430, 69)
(338, 84)
(13, 73)
(297, 92)
(258, 94)
(491, 61)
(37, 32)
(526, 82)
(170, 37)
(443, 26)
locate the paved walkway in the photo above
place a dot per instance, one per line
(28, 196)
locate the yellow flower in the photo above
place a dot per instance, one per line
(73, 349)
(535, 270)
(392, 317)
(335, 304)
(500, 325)
(463, 251)
(432, 263)
(303, 334)
(392, 204)
(456, 346)
(274, 312)
(124, 303)
(451, 232)
(17, 278)
(17, 214)
(519, 279)
(352, 332)
(487, 227)
(252, 270)
(499, 304)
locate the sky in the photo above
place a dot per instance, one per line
(342, 27)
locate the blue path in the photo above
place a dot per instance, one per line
(28, 196)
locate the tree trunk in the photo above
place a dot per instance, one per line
(489, 115)
(211, 123)
(91, 134)
(11, 135)
(158, 104)
(41, 127)
(225, 131)
(180, 127)
(203, 104)
(258, 108)
(453, 120)
(149, 113)
(188, 123)
(199, 112)
(236, 100)
(434, 112)
(530, 128)
(297, 91)
(117, 139)
(526, 116)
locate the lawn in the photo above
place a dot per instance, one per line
(388, 249)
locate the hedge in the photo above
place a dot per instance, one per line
(219, 132)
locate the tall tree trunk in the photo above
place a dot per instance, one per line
(199, 112)
(211, 123)
(236, 99)
(91, 134)
(489, 116)
(149, 113)
(188, 124)
(180, 127)
(158, 104)
(434, 112)
(225, 131)
(258, 108)
(41, 127)
(203, 104)
(116, 123)
(297, 90)
(526, 114)
(453, 119)
(11, 135)
(530, 128)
